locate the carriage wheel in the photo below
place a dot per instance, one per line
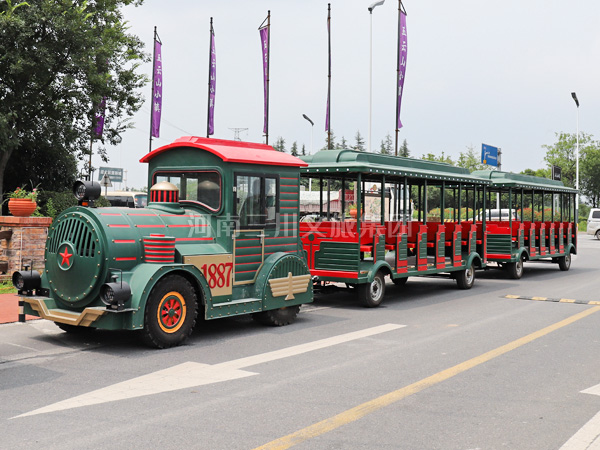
(277, 317)
(564, 262)
(170, 312)
(466, 278)
(515, 269)
(371, 294)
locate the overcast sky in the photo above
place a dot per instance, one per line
(494, 72)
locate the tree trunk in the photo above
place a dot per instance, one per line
(4, 157)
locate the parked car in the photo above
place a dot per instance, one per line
(495, 215)
(129, 199)
(593, 223)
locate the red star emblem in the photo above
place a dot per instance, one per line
(66, 256)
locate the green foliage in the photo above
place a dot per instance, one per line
(545, 173)
(294, 149)
(439, 158)
(471, 160)
(52, 203)
(279, 144)
(360, 142)
(21, 192)
(59, 59)
(387, 146)
(403, 150)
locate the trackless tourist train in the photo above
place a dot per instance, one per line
(230, 229)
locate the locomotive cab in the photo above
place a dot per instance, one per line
(219, 237)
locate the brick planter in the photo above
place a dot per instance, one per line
(27, 242)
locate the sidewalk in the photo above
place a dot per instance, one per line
(9, 309)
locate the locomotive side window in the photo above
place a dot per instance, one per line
(202, 187)
(256, 203)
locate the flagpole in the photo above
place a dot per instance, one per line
(329, 77)
(152, 90)
(209, 71)
(268, 70)
(398, 73)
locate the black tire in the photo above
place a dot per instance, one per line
(597, 235)
(515, 269)
(277, 317)
(400, 281)
(371, 294)
(170, 313)
(74, 329)
(564, 262)
(466, 278)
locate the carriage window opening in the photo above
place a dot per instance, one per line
(201, 187)
(256, 200)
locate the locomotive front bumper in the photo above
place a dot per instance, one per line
(45, 308)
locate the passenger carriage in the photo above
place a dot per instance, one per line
(392, 235)
(219, 235)
(541, 225)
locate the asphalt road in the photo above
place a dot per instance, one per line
(433, 368)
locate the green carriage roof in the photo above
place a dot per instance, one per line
(337, 162)
(520, 181)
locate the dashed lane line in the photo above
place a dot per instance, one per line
(556, 300)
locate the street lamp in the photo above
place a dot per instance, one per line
(574, 95)
(312, 125)
(371, 8)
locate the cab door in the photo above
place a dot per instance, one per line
(256, 212)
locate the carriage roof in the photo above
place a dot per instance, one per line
(231, 151)
(520, 181)
(337, 162)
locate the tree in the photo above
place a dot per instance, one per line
(563, 154)
(470, 160)
(403, 150)
(360, 142)
(544, 173)
(303, 150)
(279, 144)
(441, 158)
(59, 61)
(386, 146)
(294, 149)
(590, 174)
(333, 144)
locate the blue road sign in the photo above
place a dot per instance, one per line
(489, 155)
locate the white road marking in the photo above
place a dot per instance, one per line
(588, 436)
(192, 374)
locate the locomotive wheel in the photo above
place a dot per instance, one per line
(400, 281)
(466, 278)
(515, 269)
(73, 329)
(371, 294)
(564, 262)
(277, 317)
(170, 312)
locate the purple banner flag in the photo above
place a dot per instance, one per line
(100, 119)
(264, 40)
(157, 89)
(212, 84)
(402, 47)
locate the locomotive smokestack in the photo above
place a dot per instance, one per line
(164, 192)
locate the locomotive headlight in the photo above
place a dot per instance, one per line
(26, 280)
(86, 191)
(114, 295)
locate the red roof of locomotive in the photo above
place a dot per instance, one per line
(232, 151)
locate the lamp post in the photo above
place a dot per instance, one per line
(574, 95)
(371, 8)
(312, 125)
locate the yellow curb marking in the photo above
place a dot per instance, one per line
(376, 404)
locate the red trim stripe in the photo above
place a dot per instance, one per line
(150, 226)
(124, 241)
(140, 214)
(110, 214)
(126, 258)
(195, 239)
(117, 225)
(187, 226)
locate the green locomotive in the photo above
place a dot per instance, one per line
(219, 236)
